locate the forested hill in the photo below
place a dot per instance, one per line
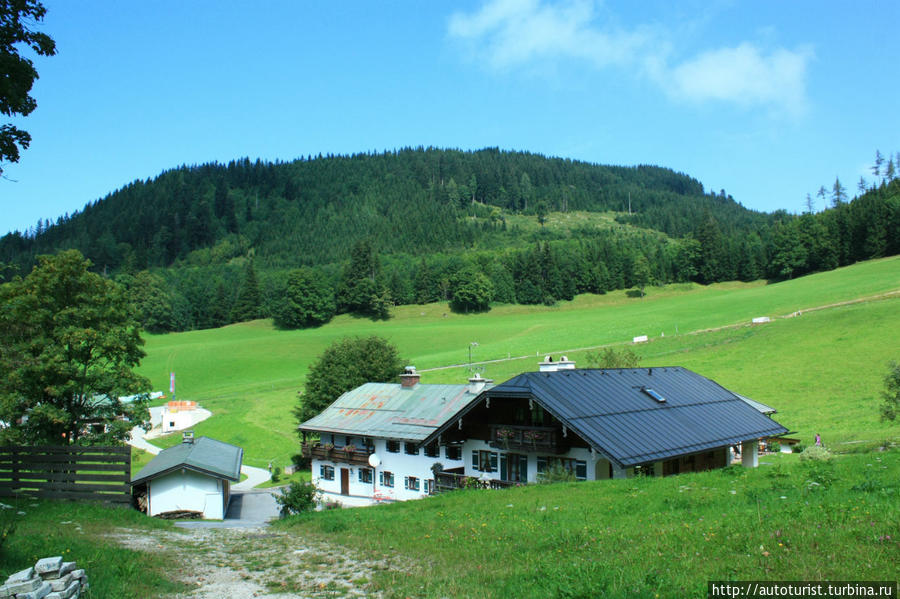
(310, 211)
(204, 246)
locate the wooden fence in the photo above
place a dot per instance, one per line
(66, 472)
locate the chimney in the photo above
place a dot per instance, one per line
(477, 384)
(409, 378)
(548, 365)
(187, 437)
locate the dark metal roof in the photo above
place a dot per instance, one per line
(612, 412)
(204, 455)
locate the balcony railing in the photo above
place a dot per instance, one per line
(528, 438)
(349, 454)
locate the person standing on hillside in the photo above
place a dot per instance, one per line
(818, 440)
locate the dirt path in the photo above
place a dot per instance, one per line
(258, 562)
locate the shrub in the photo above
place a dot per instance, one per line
(798, 448)
(297, 498)
(774, 446)
(556, 474)
(816, 453)
(276, 474)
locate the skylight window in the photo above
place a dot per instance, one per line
(648, 391)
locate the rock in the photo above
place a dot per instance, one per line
(22, 575)
(66, 568)
(42, 591)
(69, 592)
(60, 584)
(26, 586)
(48, 567)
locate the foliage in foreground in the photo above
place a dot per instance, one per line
(890, 405)
(297, 497)
(640, 537)
(77, 531)
(68, 343)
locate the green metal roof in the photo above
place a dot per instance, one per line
(391, 411)
(204, 455)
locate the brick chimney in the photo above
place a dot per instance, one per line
(409, 378)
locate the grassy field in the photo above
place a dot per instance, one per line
(249, 374)
(641, 537)
(77, 531)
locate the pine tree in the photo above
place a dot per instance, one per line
(248, 301)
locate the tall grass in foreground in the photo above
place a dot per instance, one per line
(76, 531)
(641, 537)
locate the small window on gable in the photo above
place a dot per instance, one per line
(411, 449)
(655, 395)
(392, 446)
(432, 450)
(453, 452)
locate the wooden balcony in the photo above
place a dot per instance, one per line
(528, 438)
(350, 454)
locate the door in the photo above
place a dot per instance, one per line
(345, 481)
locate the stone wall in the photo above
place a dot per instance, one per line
(50, 578)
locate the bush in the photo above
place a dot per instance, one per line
(556, 474)
(816, 453)
(276, 474)
(798, 448)
(297, 498)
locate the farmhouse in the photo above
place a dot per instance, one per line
(370, 439)
(193, 476)
(595, 423)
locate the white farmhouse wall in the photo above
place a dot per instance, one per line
(400, 464)
(187, 490)
(176, 420)
(578, 453)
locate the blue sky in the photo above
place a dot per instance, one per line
(768, 100)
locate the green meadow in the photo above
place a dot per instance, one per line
(822, 369)
(641, 537)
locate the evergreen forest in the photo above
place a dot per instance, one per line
(208, 245)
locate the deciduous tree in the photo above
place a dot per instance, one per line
(69, 340)
(345, 365)
(890, 405)
(308, 301)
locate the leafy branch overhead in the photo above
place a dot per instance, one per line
(18, 72)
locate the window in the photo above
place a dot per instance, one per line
(580, 470)
(484, 461)
(411, 483)
(654, 394)
(365, 475)
(432, 450)
(392, 446)
(326, 472)
(411, 449)
(172, 424)
(386, 478)
(429, 486)
(453, 452)
(514, 467)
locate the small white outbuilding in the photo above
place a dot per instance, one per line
(195, 475)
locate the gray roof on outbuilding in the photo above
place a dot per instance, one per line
(204, 455)
(616, 413)
(391, 411)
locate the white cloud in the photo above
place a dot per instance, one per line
(745, 76)
(517, 33)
